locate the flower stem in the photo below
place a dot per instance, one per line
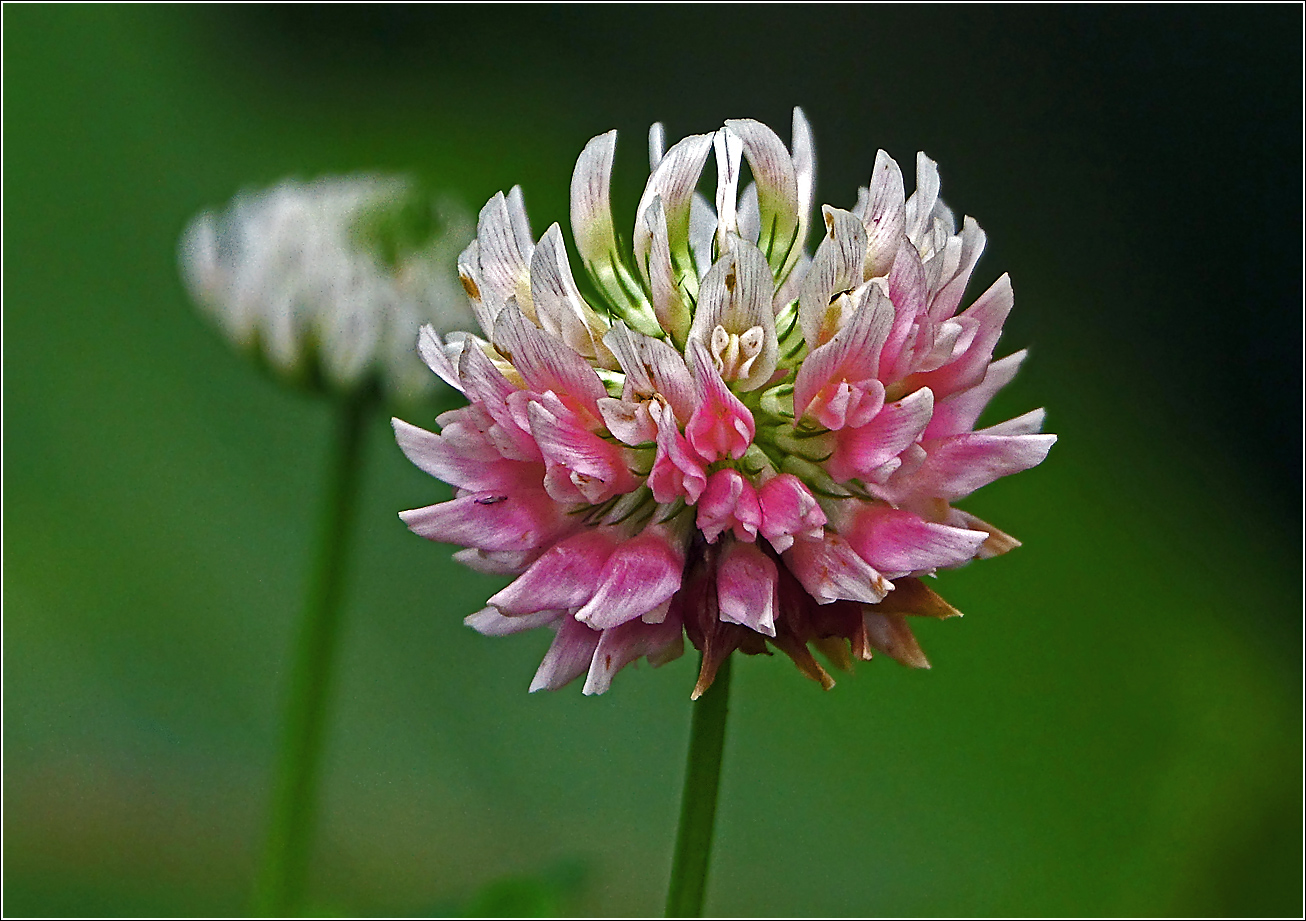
(698, 803)
(290, 832)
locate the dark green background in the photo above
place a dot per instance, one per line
(1116, 726)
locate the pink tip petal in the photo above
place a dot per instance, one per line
(640, 575)
(860, 451)
(522, 521)
(962, 464)
(788, 509)
(729, 503)
(565, 576)
(677, 470)
(896, 541)
(721, 426)
(437, 456)
(589, 468)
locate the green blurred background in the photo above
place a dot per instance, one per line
(1114, 729)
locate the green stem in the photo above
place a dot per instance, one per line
(698, 803)
(290, 833)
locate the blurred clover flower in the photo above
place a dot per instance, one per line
(732, 440)
(328, 281)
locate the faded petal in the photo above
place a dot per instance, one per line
(890, 635)
(568, 657)
(831, 570)
(621, 645)
(746, 587)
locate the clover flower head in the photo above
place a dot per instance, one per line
(329, 281)
(726, 439)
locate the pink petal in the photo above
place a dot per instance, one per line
(831, 570)
(595, 469)
(496, 562)
(565, 576)
(464, 430)
(489, 622)
(643, 573)
(729, 502)
(619, 646)
(1030, 423)
(987, 314)
(958, 413)
(897, 542)
(677, 470)
(788, 509)
(721, 425)
(747, 587)
(487, 386)
(568, 657)
(852, 355)
(962, 464)
(547, 363)
(436, 456)
(907, 290)
(522, 521)
(858, 452)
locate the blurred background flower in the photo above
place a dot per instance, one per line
(328, 281)
(1118, 728)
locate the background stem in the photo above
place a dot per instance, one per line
(698, 804)
(281, 884)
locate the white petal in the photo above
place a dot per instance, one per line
(559, 307)
(777, 192)
(673, 181)
(885, 216)
(591, 223)
(729, 150)
(920, 207)
(668, 303)
(836, 268)
(657, 145)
